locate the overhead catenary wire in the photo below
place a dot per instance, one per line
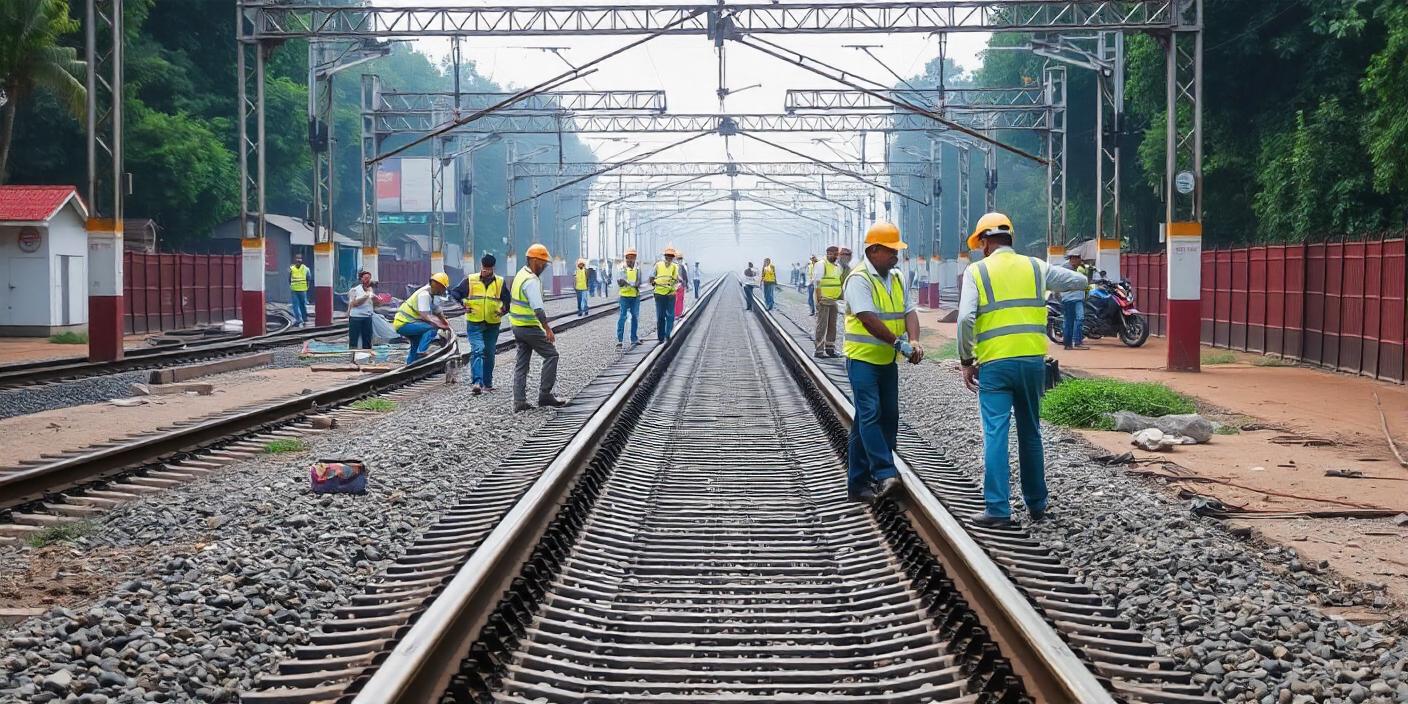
(833, 167)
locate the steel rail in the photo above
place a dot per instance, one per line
(426, 657)
(31, 485)
(1050, 669)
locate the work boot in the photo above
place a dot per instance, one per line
(888, 487)
(550, 402)
(832, 353)
(819, 354)
(618, 344)
(987, 520)
(476, 390)
(865, 495)
(1039, 515)
(520, 406)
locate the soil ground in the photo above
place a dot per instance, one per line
(14, 350)
(1302, 422)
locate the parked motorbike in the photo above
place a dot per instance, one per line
(1109, 311)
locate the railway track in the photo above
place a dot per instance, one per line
(74, 484)
(680, 534)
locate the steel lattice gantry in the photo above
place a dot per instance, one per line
(509, 122)
(1016, 99)
(264, 24)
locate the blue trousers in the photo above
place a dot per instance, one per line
(1006, 388)
(359, 332)
(696, 289)
(300, 307)
(630, 306)
(664, 316)
(581, 303)
(483, 337)
(870, 456)
(769, 292)
(811, 297)
(1073, 322)
(591, 286)
(420, 333)
(748, 297)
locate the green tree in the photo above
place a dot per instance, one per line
(183, 176)
(31, 59)
(1385, 87)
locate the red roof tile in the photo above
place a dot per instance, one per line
(32, 203)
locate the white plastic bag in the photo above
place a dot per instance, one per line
(382, 331)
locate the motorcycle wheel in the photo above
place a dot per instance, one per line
(1135, 332)
(1054, 331)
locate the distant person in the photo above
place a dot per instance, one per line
(581, 285)
(666, 280)
(1002, 349)
(750, 282)
(827, 277)
(628, 280)
(684, 284)
(419, 318)
(360, 308)
(604, 272)
(486, 300)
(593, 280)
(769, 283)
(696, 272)
(1073, 309)
(811, 284)
(298, 276)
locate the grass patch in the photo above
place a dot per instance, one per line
(1268, 361)
(1218, 357)
(1083, 403)
(948, 350)
(69, 338)
(1226, 429)
(284, 445)
(378, 404)
(62, 533)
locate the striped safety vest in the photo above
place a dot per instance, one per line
(889, 304)
(482, 306)
(298, 278)
(1011, 306)
(520, 314)
(408, 313)
(631, 275)
(830, 282)
(769, 274)
(581, 281)
(667, 276)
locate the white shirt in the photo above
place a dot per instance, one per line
(427, 303)
(363, 309)
(860, 298)
(750, 280)
(1058, 279)
(533, 292)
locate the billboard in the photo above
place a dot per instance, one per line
(403, 186)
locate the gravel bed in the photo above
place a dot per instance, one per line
(255, 561)
(1245, 618)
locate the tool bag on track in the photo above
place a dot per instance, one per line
(338, 477)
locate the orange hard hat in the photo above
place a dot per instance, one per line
(885, 234)
(631, 252)
(989, 224)
(670, 252)
(538, 251)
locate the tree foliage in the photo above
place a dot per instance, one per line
(32, 59)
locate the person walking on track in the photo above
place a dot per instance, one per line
(298, 289)
(665, 280)
(628, 282)
(696, 274)
(684, 284)
(750, 282)
(580, 283)
(531, 331)
(1002, 348)
(811, 284)
(485, 299)
(769, 283)
(882, 324)
(419, 318)
(827, 277)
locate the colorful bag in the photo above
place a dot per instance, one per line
(338, 477)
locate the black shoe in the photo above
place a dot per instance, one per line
(1041, 515)
(864, 496)
(832, 354)
(987, 520)
(519, 407)
(888, 487)
(550, 402)
(819, 355)
(476, 390)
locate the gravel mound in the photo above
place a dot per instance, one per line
(255, 561)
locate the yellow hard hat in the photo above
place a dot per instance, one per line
(581, 262)
(538, 251)
(886, 235)
(630, 252)
(989, 224)
(441, 278)
(670, 252)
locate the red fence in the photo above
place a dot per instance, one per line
(394, 276)
(1336, 305)
(171, 291)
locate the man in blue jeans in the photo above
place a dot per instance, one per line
(882, 324)
(665, 280)
(628, 280)
(486, 300)
(1002, 347)
(419, 318)
(1073, 310)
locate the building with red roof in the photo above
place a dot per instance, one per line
(43, 260)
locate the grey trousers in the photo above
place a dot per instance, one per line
(825, 333)
(527, 341)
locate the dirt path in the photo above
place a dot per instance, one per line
(14, 350)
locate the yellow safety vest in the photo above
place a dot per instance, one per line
(407, 313)
(830, 282)
(520, 314)
(581, 279)
(769, 274)
(889, 303)
(298, 278)
(666, 277)
(482, 306)
(1011, 306)
(632, 287)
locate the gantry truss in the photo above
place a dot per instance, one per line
(509, 122)
(444, 103)
(1014, 99)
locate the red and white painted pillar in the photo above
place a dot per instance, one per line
(105, 305)
(1107, 259)
(322, 283)
(252, 286)
(1055, 255)
(1185, 273)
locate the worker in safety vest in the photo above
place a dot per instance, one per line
(628, 280)
(298, 275)
(1002, 347)
(531, 331)
(769, 283)
(826, 275)
(485, 299)
(665, 280)
(419, 318)
(882, 324)
(580, 285)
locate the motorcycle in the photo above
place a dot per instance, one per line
(1109, 310)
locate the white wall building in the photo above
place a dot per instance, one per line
(43, 261)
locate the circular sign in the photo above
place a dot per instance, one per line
(30, 240)
(1183, 182)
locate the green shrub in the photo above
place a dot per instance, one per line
(62, 533)
(1268, 361)
(283, 445)
(69, 338)
(1218, 357)
(1082, 403)
(948, 350)
(378, 404)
